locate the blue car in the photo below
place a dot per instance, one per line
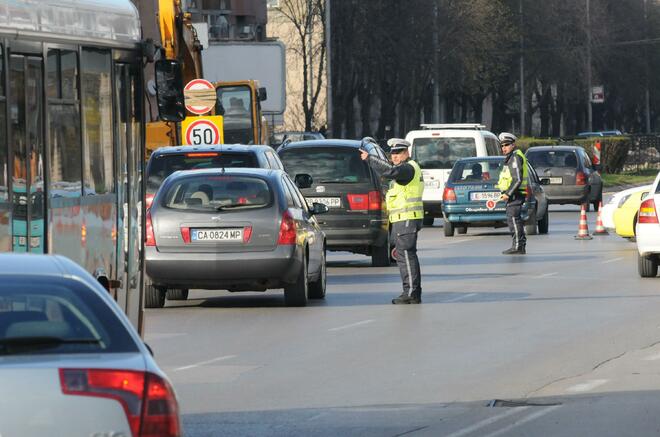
(471, 198)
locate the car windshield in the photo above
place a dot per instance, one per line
(217, 193)
(442, 153)
(476, 171)
(326, 165)
(234, 104)
(164, 165)
(39, 317)
(552, 158)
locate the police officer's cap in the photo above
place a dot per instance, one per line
(506, 138)
(398, 145)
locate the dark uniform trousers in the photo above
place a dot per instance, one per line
(405, 242)
(515, 221)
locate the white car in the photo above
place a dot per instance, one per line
(71, 363)
(618, 199)
(436, 147)
(648, 233)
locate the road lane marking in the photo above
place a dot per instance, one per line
(654, 357)
(586, 386)
(463, 241)
(546, 275)
(201, 363)
(612, 260)
(529, 418)
(465, 296)
(352, 325)
(486, 422)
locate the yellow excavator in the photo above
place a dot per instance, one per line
(238, 102)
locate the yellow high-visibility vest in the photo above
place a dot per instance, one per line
(404, 202)
(505, 179)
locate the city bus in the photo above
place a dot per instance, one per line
(71, 138)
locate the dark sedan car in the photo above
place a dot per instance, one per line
(573, 179)
(357, 221)
(234, 229)
(471, 198)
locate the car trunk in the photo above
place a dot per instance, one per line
(348, 203)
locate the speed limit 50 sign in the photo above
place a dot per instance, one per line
(198, 131)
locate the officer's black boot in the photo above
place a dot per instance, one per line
(403, 299)
(515, 251)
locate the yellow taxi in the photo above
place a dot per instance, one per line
(625, 216)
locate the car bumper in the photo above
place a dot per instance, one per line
(624, 222)
(345, 235)
(478, 215)
(648, 238)
(244, 270)
(566, 194)
(607, 215)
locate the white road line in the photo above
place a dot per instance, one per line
(613, 260)
(586, 386)
(486, 422)
(526, 419)
(546, 275)
(463, 241)
(352, 325)
(465, 296)
(654, 357)
(201, 363)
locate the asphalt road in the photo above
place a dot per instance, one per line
(563, 341)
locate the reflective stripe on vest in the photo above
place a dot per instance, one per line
(506, 179)
(404, 202)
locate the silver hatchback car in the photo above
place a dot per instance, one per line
(234, 229)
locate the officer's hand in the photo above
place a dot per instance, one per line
(364, 155)
(504, 197)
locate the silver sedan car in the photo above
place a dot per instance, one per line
(237, 230)
(71, 363)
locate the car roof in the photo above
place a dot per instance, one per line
(17, 264)
(481, 158)
(237, 171)
(320, 143)
(557, 147)
(444, 133)
(210, 148)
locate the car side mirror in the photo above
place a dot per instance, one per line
(319, 208)
(303, 180)
(169, 90)
(545, 181)
(263, 94)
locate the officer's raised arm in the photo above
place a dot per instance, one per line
(399, 170)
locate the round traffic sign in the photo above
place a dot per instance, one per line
(201, 132)
(200, 96)
(490, 204)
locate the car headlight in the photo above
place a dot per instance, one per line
(623, 200)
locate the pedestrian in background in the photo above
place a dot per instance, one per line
(406, 211)
(513, 185)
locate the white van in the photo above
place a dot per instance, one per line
(436, 147)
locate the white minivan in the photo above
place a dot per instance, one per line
(436, 147)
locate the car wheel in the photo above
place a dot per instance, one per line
(154, 297)
(544, 223)
(295, 295)
(647, 266)
(317, 288)
(462, 229)
(380, 255)
(427, 220)
(449, 228)
(531, 227)
(177, 294)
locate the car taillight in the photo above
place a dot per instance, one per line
(148, 400)
(247, 234)
(375, 201)
(287, 229)
(185, 234)
(580, 178)
(449, 195)
(201, 154)
(647, 212)
(149, 200)
(360, 202)
(528, 192)
(150, 238)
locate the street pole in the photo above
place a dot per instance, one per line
(310, 27)
(589, 108)
(328, 80)
(646, 59)
(522, 73)
(436, 67)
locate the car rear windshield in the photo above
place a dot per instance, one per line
(326, 165)
(442, 153)
(218, 193)
(66, 317)
(552, 158)
(476, 171)
(164, 165)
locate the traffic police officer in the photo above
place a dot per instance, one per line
(513, 185)
(404, 203)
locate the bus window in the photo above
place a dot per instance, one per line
(5, 210)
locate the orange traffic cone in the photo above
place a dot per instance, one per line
(583, 228)
(600, 229)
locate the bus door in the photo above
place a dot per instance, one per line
(26, 147)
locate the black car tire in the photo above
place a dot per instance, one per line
(317, 288)
(177, 294)
(647, 266)
(296, 294)
(531, 226)
(154, 297)
(380, 255)
(449, 228)
(427, 221)
(544, 223)
(462, 229)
